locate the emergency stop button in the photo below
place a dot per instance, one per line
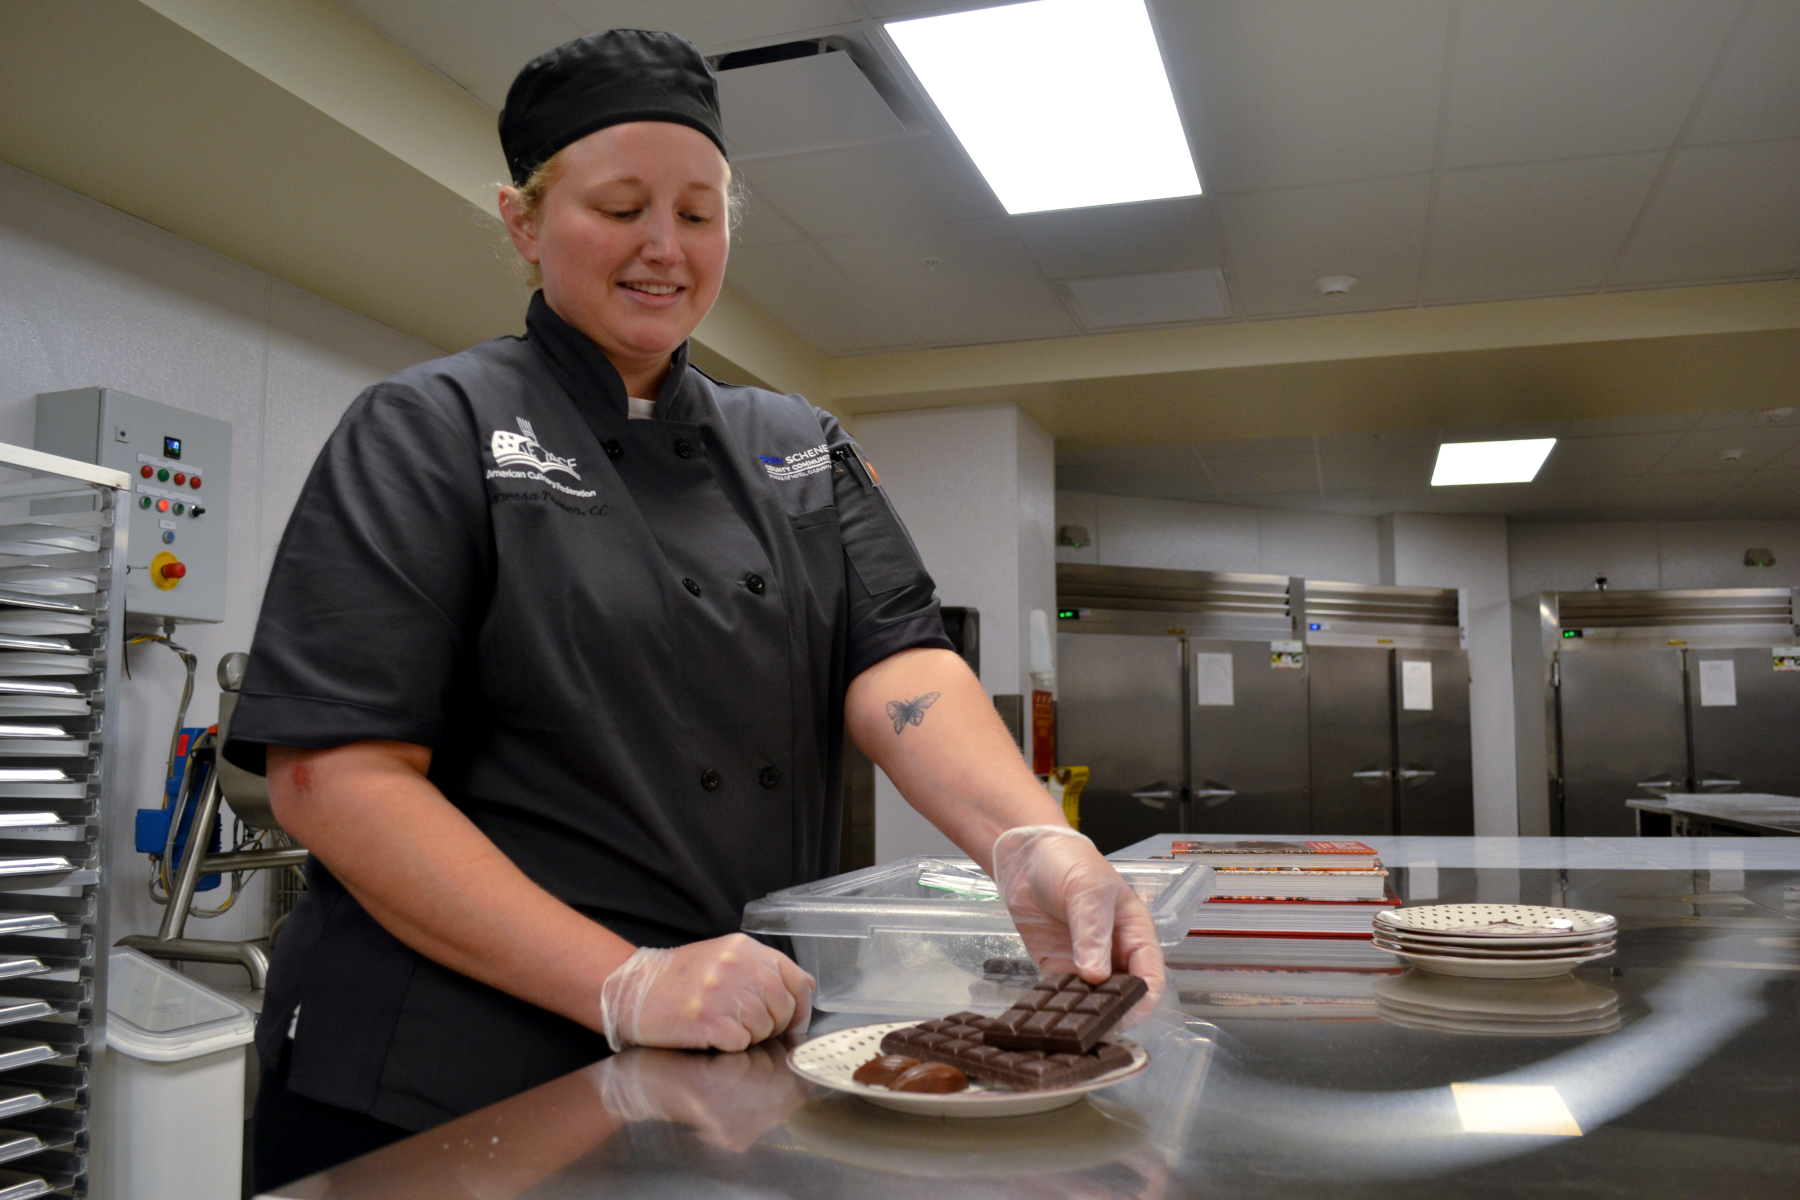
(166, 570)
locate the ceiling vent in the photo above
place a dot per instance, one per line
(799, 96)
(1116, 301)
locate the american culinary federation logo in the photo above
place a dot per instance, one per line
(522, 449)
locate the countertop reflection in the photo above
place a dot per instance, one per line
(1666, 1071)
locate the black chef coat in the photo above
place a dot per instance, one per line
(627, 644)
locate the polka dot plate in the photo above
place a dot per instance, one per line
(1495, 922)
(831, 1059)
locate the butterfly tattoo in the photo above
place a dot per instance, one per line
(912, 712)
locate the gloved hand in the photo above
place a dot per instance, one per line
(1074, 911)
(722, 994)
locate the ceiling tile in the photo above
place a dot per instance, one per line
(1377, 466)
(1699, 451)
(1508, 431)
(1357, 443)
(797, 286)
(1607, 457)
(492, 94)
(1602, 426)
(1775, 483)
(1168, 471)
(475, 42)
(983, 288)
(1747, 420)
(1276, 95)
(1247, 476)
(759, 224)
(1542, 79)
(1757, 92)
(1280, 242)
(1254, 447)
(842, 193)
(1723, 212)
(1122, 301)
(1122, 239)
(1535, 227)
(714, 24)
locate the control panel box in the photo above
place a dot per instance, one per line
(180, 468)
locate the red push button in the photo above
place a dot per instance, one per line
(180, 479)
(162, 506)
(175, 570)
(194, 483)
(146, 470)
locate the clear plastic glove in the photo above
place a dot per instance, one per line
(1074, 911)
(722, 994)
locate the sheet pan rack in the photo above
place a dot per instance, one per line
(62, 565)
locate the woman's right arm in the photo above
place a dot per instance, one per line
(436, 882)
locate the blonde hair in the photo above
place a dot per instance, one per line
(535, 188)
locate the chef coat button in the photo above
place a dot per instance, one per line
(691, 586)
(684, 448)
(769, 777)
(755, 584)
(612, 448)
(711, 780)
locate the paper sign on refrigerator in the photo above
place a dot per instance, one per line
(1415, 684)
(1718, 683)
(1212, 680)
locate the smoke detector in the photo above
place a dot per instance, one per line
(1335, 285)
(1732, 455)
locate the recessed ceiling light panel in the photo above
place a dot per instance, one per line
(1061, 103)
(1490, 462)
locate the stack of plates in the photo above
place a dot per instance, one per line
(1560, 1007)
(1496, 941)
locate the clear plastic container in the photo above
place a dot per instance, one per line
(927, 936)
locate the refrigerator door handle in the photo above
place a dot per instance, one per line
(1717, 783)
(1154, 797)
(1382, 774)
(1411, 773)
(1213, 794)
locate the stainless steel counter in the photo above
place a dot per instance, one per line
(1696, 1094)
(1731, 814)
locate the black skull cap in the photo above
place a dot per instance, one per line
(606, 79)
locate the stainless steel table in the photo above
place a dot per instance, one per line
(1732, 815)
(1697, 1094)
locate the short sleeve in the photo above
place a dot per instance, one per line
(377, 589)
(893, 600)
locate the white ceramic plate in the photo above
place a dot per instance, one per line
(1419, 945)
(1495, 968)
(831, 1059)
(1504, 921)
(1508, 943)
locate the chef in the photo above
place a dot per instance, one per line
(557, 659)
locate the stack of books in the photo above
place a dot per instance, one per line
(1304, 889)
(1287, 932)
(1279, 977)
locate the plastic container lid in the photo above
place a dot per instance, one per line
(952, 895)
(161, 1015)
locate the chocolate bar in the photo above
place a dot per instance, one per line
(961, 1041)
(1065, 1014)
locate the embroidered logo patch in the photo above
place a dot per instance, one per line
(522, 449)
(796, 466)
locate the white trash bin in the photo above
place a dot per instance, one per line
(169, 1100)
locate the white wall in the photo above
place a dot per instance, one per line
(976, 488)
(1130, 531)
(1567, 556)
(93, 297)
(1470, 554)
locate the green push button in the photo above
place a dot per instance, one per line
(180, 508)
(143, 502)
(163, 475)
